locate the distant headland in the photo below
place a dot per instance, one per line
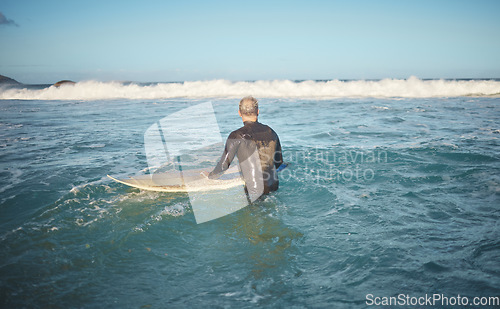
(4, 80)
(64, 82)
(8, 80)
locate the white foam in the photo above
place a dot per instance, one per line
(15, 179)
(175, 210)
(406, 88)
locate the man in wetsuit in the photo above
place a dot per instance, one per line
(258, 150)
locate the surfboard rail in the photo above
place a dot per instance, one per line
(191, 180)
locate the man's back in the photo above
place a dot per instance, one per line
(258, 149)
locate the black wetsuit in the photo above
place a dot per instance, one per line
(258, 149)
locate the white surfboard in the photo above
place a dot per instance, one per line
(184, 181)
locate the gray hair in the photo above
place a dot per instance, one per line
(249, 106)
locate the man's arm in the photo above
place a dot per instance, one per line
(278, 155)
(227, 157)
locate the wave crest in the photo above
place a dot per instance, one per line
(406, 88)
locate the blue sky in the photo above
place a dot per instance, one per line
(46, 41)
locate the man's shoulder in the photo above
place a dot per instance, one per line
(263, 126)
(237, 133)
(246, 131)
(266, 127)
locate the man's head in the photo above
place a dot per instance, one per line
(249, 108)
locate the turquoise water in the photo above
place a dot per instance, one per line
(382, 197)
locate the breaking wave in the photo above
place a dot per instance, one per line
(407, 88)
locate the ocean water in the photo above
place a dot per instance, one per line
(392, 191)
